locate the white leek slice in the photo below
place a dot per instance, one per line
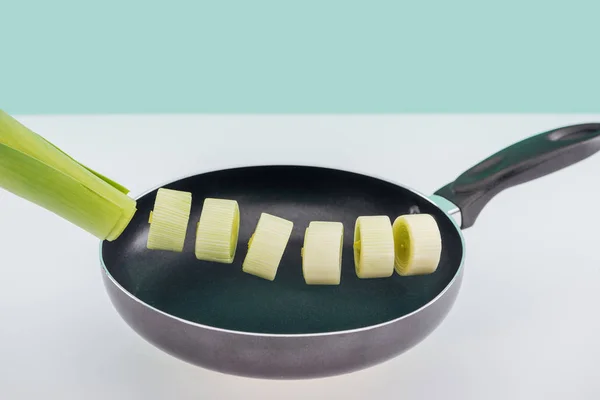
(267, 245)
(322, 253)
(418, 244)
(373, 247)
(80, 195)
(169, 220)
(217, 231)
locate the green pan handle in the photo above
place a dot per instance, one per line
(529, 159)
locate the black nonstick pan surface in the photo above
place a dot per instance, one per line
(221, 295)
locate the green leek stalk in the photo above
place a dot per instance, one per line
(36, 170)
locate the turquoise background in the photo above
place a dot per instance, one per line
(261, 56)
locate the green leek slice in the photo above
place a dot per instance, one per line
(169, 220)
(373, 247)
(267, 246)
(322, 253)
(217, 231)
(418, 244)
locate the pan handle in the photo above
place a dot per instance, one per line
(524, 161)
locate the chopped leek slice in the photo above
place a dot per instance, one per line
(217, 231)
(169, 220)
(267, 245)
(373, 247)
(418, 244)
(36, 170)
(322, 253)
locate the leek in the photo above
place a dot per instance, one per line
(267, 246)
(217, 231)
(36, 170)
(169, 220)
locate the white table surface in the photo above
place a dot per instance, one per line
(525, 325)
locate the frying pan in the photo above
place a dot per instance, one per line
(219, 318)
